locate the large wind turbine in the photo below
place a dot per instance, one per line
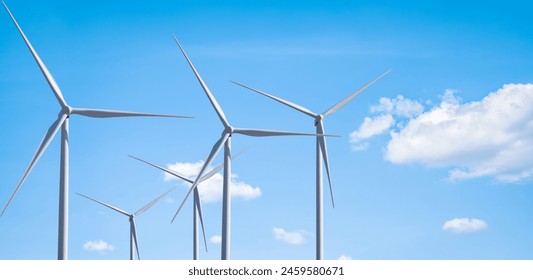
(63, 122)
(131, 217)
(225, 139)
(197, 205)
(321, 153)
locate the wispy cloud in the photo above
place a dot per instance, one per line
(343, 257)
(490, 137)
(215, 239)
(369, 128)
(464, 225)
(99, 246)
(211, 189)
(399, 106)
(293, 238)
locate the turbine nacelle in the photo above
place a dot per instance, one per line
(318, 119)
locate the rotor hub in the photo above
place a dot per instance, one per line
(67, 110)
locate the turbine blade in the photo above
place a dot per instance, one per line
(263, 132)
(324, 150)
(99, 113)
(349, 98)
(281, 100)
(218, 168)
(135, 238)
(40, 150)
(212, 154)
(207, 91)
(49, 78)
(147, 206)
(198, 205)
(172, 172)
(106, 205)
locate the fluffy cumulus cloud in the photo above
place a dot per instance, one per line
(99, 246)
(491, 137)
(211, 189)
(464, 225)
(215, 239)
(293, 238)
(387, 110)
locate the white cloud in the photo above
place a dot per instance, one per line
(387, 109)
(293, 238)
(370, 127)
(464, 225)
(211, 189)
(491, 137)
(98, 246)
(398, 106)
(215, 239)
(343, 257)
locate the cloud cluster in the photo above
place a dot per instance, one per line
(464, 225)
(293, 238)
(491, 137)
(387, 109)
(99, 246)
(211, 189)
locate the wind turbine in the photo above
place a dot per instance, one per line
(321, 153)
(62, 122)
(197, 206)
(131, 216)
(225, 139)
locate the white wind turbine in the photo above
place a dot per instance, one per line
(225, 139)
(131, 217)
(63, 122)
(321, 153)
(197, 205)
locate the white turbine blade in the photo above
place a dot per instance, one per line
(147, 206)
(135, 238)
(40, 150)
(49, 78)
(210, 95)
(345, 101)
(218, 168)
(199, 209)
(264, 132)
(214, 151)
(106, 205)
(280, 100)
(324, 149)
(172, 172)
(99, 113)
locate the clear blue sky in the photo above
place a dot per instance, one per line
(429, 165)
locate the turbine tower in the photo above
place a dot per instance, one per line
(225, 139)
(321, 154)
(197, 206)
(62, 122)
(131, 217)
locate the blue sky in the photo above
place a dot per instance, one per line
(432, 162)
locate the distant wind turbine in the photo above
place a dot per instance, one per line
(131, 216)
(321, 153)
(63, 122)
(225, 139)
(197, 205)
